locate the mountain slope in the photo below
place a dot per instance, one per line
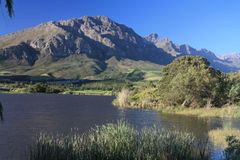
(67, 43)
(90, 47)
(233, 58)
(184, 50)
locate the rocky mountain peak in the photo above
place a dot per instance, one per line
(231, 57)
(87, 42)
(164, 43)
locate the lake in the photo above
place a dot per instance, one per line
(26, 115)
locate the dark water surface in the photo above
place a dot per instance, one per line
(26, 115)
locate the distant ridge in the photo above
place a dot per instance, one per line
(89, 46)
(223, 64)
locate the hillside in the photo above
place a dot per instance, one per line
(226, 65)
(90, 47)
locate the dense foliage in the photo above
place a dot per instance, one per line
(234, 88)
(135, 75)
(117, 142)
(108, 86)
(189, 81)
(233, 150)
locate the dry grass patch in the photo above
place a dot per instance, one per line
(218, 136)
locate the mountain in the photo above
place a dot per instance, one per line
(90, 47)
(75, 48)
(184, 50)
(233, 58)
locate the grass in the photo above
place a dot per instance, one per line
(224, 112)
(231, 111)
(122, 98)
(89, 92)
(117, 142)
(218, 136)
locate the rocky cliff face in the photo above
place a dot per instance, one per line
(98, 37)
(80, 47)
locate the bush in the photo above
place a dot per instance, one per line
(135, 75)
(188, 81)
(117, 142)
(44, 88)
(38, 88)
(232, 152)
(122, 99)
(234, 93)
(234, 88)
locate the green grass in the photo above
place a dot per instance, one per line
(119, 142)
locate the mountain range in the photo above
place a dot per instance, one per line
(93, 46)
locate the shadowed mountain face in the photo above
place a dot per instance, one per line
(226, 65)
(87, 46)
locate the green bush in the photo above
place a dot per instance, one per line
(117, 142)
(232, 152)
(188, 81)
(45, 88)
(135, 75)
(234, 93)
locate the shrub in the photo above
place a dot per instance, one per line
(232, 152)
(234, 93)
(135, 75)
(38, 88)
(188, 81)
(122, 99)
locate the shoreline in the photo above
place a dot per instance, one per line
(230, 111)
(76, 93)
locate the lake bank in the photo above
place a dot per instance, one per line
(78, 92)
(230, 111)
(107, 88)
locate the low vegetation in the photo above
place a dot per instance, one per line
(218, 136)
(119, 141)
(107, 87)
(232, 152)
(122, 98)
(232, 111)
(189, 85)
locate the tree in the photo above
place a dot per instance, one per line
(9, 6)
(234, 88)
(191, 81)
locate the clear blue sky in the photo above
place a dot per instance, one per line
(211, 24)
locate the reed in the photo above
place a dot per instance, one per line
(119, 141)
